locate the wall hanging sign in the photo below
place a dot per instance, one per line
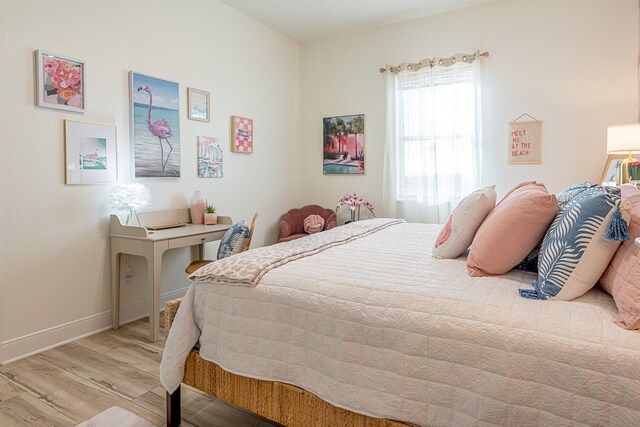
(90, 153)
(525, 141)
(209, 157)
(61, 82)
(155, 127)
(241, 135)
(343, 145)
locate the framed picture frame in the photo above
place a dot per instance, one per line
(91, 154)
(241, 135)
(343, 145)
(155, 127)
(61, 82)
(611, 174)
(210, 157)
(198, 102)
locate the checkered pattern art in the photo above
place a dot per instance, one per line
(241, 134)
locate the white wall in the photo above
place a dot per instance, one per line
(54, 258)
(570, 63)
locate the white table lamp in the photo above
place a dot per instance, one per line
(623, 139)
(130, 197)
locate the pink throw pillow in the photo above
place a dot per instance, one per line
(522, 184)
(512, 229)
(313, 224)
(621, 279)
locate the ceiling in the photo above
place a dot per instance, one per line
(306, 20)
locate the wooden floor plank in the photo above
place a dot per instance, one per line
(27, 410)
(97, 368)
(8, 390)
(72, 383)
(138, 331)
(102, 342)
(139, 356)
(67, 393)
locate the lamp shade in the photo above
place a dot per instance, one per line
(623, 138)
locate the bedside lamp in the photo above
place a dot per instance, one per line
(623, 139)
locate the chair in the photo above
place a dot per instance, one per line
(292, 223)
(202, 262)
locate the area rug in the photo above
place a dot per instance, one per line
(116, 416)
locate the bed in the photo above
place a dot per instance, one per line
(369, 329)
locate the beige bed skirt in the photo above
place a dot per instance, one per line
(283, 403)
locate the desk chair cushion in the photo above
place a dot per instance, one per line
(234, 240)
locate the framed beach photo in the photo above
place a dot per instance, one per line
(155, 127)
(90, 153)
(198, 102)
(241, 135)
(60, 82)
(611, 175)
(343, 145)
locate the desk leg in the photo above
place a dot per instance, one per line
(154, 270)
(115, 289)
(197, 252)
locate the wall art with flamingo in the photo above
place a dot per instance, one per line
(90, 153)
(155, 127)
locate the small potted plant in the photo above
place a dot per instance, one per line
(210, 217)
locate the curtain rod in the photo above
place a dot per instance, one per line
(432, 62)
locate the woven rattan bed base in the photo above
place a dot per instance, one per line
(283, 403)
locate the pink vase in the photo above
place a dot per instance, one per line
(197, 206)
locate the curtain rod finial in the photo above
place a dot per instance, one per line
(382, 70)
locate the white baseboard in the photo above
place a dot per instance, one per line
(37, 342)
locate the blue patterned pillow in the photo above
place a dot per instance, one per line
(234, 240)
(566, 195)
(579, 244)
(530, 263)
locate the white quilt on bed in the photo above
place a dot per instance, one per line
(378, 326)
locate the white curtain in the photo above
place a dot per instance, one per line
(433, 144)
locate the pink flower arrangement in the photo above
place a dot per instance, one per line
(355, 203)
(66, 80)
(634, 170)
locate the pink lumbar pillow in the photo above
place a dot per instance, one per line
(457, 234)
(313, 224)
(621, 279)
(512, 229)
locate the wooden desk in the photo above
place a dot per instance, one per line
(137, 240)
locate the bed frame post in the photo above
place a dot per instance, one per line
(174, 417)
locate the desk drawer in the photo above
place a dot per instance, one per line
(181, 242)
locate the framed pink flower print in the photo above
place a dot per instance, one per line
(61, 82)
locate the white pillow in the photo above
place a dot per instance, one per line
(457, 234)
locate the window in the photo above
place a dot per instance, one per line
(433, 141)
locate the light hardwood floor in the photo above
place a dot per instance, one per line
(72, 383)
